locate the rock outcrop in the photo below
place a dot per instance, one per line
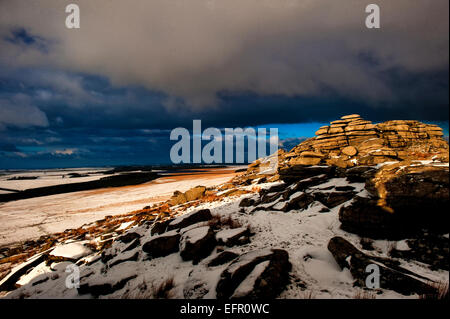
(353, 141)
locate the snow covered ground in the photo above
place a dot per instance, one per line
(15, 180)
(31, 218)
(304, 234)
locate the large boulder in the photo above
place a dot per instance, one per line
(162, 245)
(255, 275)
(197, 243)
(195, 193)
(190, 195)
(177, 198)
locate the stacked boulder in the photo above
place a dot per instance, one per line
(353, 141)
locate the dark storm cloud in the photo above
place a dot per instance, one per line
(111, 91)
(193, 50)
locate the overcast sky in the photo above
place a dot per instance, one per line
(109, 92)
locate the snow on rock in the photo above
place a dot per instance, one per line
(248, 284)
(71, 251)
(267, 281)
(197, 243)
(402, 245)
(162, 245)
(125, 225)
(190, 218)
(231, 237)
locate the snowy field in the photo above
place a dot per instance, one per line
(31, 218)
(14, 180)
(303, 235)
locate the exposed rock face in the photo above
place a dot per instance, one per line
(404, 199)
(392, 276)
(313, 186)
(404, 165)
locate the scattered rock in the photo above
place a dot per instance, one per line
(190, 195)
(177, 198)
(69, 252)
(428, 248)
(333, 199)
